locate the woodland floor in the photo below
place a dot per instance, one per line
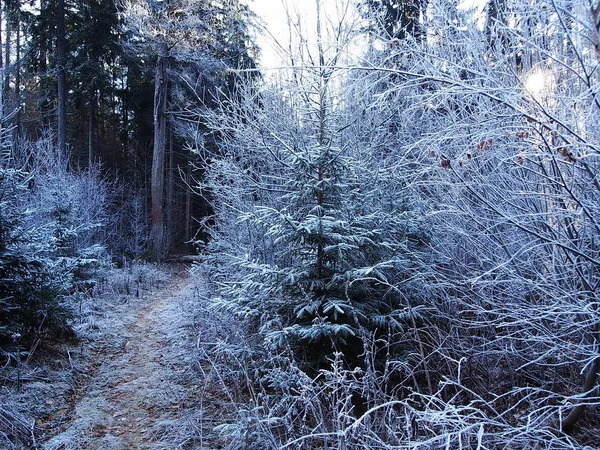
(136, 386)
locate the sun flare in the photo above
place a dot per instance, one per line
(536, 83)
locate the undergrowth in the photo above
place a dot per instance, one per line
(450, 396)
(38, 385)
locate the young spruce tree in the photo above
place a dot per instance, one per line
(304, 241)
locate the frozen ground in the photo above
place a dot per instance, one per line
(136, 390)
(145, 373)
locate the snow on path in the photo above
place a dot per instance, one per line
(138, 383)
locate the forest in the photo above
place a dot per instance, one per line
(389, 239)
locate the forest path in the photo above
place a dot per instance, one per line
(137, 380)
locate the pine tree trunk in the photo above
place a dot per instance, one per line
(18, 77)
(125, 118)
(157, 231)
(188, 203)
(6, 85)
(91, 137)
(1, 59)
(61, 100)
(323, 79)
(170, 193)
(2, 99)
(45, 109)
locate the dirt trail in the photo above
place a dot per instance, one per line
(137, 383)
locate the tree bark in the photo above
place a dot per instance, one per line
(61, 100)
(91, 137)
(596, 19)
(45, 107)
(170, 190)
(18, 78)
(157, 232)
(188, 203)
(6, 84)
(1, 59)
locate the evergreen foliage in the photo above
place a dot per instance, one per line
(307, 243)
(32, 282)
(331, 260)
(397, 19)
(55, 232)
(443, 195)
(411, 237)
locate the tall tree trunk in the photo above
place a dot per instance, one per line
(18, 78)
(6, 84)
(188, 203)
(18, 54)
(157, 231)
(1, 59)
(170, 192)
(2, 99)
(125, 117)
(45, 108)
(61, 52)
(596, 19)
(323, 81)
(91, 136)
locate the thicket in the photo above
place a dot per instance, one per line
(60, 228)
(54, 231)
(413, 235)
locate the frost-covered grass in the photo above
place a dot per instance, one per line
(39, 393)
(16, 429)
(158, 366)
(273, 404)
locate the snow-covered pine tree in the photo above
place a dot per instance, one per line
(328, 278)
(333, 253)
(312, 231)
(30, 280)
